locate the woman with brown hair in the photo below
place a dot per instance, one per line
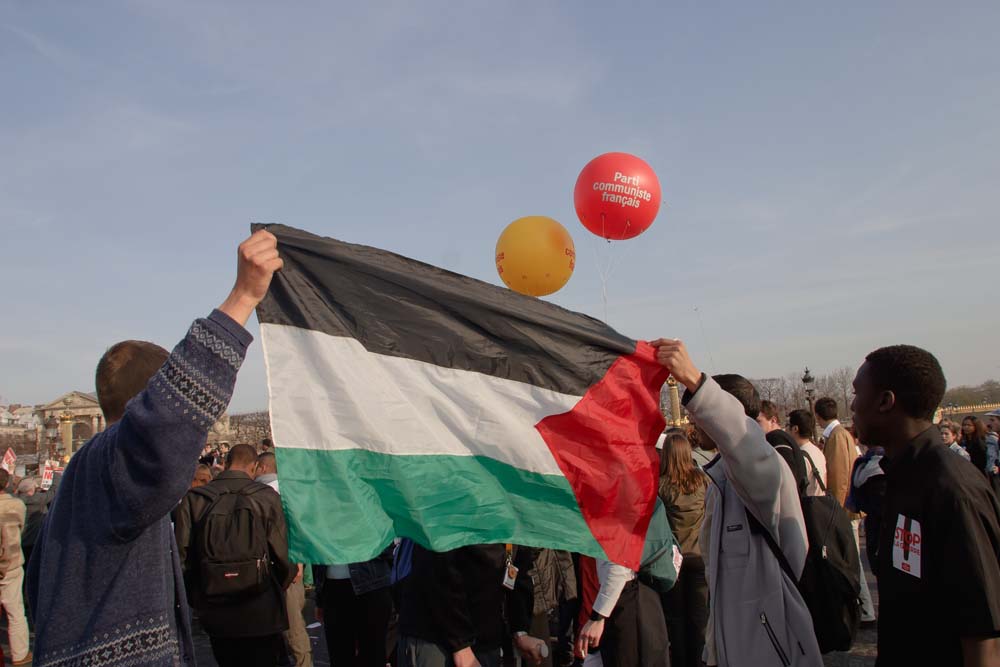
(685, 606)
(974, 441)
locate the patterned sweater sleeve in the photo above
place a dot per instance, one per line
(149, 456)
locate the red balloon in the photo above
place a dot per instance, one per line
(617, 196)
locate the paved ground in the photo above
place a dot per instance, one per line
(862, 654)
(864, 651)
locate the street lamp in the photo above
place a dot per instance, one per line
(808, 380)
(52, 433)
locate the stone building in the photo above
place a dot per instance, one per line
(69, 421)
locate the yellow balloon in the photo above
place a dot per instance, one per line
(535, 255)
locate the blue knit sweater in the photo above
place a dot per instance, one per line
(104, 580)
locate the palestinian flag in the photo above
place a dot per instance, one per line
(410, 401)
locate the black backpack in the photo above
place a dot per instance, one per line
(231, 544)
(831, 579)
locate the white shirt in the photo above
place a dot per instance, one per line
(958, 449)
(829, 428)
(813, 488)
(613, 579)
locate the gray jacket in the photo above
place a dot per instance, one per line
(757, 616)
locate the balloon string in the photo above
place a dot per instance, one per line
(606, 269)
(613, 265)
(605, 272)
(615, 259)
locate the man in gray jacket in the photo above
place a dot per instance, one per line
(757, 616)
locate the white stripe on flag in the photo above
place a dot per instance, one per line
(329, 393)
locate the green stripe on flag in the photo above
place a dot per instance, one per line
(345, 506)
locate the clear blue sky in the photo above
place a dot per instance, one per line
(830, 172)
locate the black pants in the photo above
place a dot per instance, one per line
(28, 614)
(686, 609)
(247, 651)
(356, 626)
(569, 610)
(636, 633)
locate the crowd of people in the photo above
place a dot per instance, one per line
(152, 532)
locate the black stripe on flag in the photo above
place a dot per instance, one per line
(400, 307)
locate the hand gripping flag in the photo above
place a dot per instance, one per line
(410, 401)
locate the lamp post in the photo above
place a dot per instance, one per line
(52, 434)
(807, 381)
(675, 402)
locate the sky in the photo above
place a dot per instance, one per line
(829, 172)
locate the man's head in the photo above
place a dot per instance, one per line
(896, 391)
(266, 445)
(745, 393)
(802, 425)
(27, 487)
(266, 464)
(993, 421)
(123, 372)
(242, 458)
(768, 417)
(826, 410)
(202, 476)
(4, 480)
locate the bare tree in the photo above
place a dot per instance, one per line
(843, 386)
(251, 427)
(988, 392)
(768, 388)
(795, 393)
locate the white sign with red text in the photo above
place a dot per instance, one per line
(906, 546)
(9, 461)
(48, 473)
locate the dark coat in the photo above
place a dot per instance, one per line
(977, 452)
(257, 616)
(456, 599)
(37, 506)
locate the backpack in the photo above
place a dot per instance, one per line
(657, 569)
(231, 543)
(831, 579)
(789, 450)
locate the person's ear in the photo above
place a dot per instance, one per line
(886, 402)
